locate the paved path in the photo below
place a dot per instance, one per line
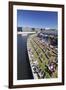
(23, 66)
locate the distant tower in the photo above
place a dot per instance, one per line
(19, 29)
(33, 29)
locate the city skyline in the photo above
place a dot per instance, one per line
(37, 19)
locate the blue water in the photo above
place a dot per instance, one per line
(23, 66)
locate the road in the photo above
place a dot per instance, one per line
(23, 65)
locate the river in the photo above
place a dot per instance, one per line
(23, 66)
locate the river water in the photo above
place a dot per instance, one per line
(23, 66)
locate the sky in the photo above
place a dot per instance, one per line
(37, 19)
